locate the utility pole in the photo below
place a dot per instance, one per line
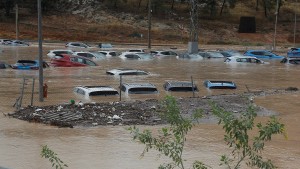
(295, 25)
(40, 39)
(193, 43)
(149, 24)
(17, 20)
(276, 18)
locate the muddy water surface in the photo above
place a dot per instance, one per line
(112, 147)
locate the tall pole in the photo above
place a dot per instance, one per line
(295, 26)
(17, 21)
(276, 18)
(41, 77)
(149, 24)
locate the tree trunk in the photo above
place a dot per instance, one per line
(140, 2)
(265, 8)
(256, 5)
(222, 7)
(172, 7)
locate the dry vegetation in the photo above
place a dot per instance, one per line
(217, 30)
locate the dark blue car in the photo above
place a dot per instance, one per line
(28, 65)
(293, 52)
(263, 54)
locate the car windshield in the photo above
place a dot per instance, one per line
(26, 63)
(103, 93)
(142, 90)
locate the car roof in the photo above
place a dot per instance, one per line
(96, 88)
(137, 85)
(180, 83)
(60, 50)
(124, 70)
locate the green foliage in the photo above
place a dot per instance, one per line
(52, 156)
(237, 128)
(171, 140)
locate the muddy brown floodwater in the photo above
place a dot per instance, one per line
(111, 147)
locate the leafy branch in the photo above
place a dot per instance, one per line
(171, 140)
(236, 129)
(52, 156)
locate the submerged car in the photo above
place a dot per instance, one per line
(162, 54)
(90, 55)
(190, 56)
(4, 65)
(139, 88)
(138, 56)
(243, 59)
(219, 84)
(262, 54)
(65, 60)
(77, 45)
(108, 53)
(291, 60)
(95, 90)
(105, 45)
(5, 41)
(293, 52)
(53, 53)
(126, 72)
(180, 86)
(211, 54)
(28, 65)
(17, 43)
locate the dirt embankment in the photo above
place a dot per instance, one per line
(139, 112)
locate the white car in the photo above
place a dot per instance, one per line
(108, 53)
(55, 52)
(5, 41)
(136, 50)
(77, 45)
(161, 54)
(139, 88)
(126, 72)
(136, 55)
(17, 43)
(90, 55)
(243, 59)
(95, 90)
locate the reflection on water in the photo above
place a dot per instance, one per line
(112, 147)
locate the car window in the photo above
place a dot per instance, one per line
(257, 53)
(90, 63)
(113, 53)
(80, 91)
(165, 53)
(88, 55)
(80, 60)
(132, 56)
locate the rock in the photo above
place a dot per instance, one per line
(95, 124)
(59, 108)
(116, 117)
(113, 109)
(37, 110)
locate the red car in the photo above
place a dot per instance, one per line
(65, 60)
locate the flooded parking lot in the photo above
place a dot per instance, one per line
(112, 147)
